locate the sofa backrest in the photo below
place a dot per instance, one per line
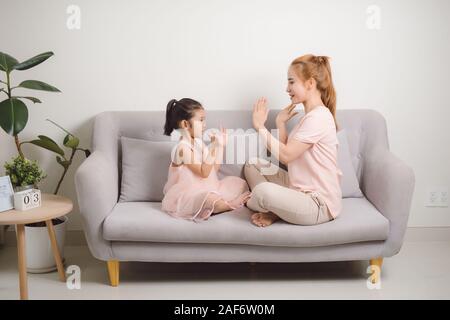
(365, 129)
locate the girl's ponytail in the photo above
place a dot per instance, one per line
(177, 111)
(170, 125)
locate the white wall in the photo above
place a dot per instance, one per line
(136, 55)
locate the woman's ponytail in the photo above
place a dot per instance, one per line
(318, 67)
(326, 87)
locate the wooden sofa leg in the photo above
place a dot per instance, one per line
(374, 265)
(113, 271)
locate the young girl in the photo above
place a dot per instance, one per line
(309, 192)
(193, 190)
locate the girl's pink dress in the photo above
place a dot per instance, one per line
(186, 194)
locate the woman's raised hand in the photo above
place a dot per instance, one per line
(260, 113)
(286, 114)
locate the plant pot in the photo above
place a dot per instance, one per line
(22, 188)
(39, 252)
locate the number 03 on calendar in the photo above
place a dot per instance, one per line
(27, 199)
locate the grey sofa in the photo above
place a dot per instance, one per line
(369, 228)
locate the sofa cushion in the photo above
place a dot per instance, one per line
(144, 169)
(349, 182)
(144, 221)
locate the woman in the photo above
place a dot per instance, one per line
(309, 192)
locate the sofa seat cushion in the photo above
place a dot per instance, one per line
(144, 221)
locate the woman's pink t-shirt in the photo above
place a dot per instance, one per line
(316, 169)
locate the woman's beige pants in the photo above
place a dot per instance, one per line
(272, 193)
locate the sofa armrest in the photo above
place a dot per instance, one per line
(96, 183)
(388, 183)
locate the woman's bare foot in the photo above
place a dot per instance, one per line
(240, 200)
(264, 219)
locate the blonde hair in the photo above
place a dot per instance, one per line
(318, 67)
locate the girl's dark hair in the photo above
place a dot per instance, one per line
(177, 111)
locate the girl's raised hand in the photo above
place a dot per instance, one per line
(218, 138)
(223, 133)
(260, 113)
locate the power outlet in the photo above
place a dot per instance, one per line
(437, 197)
(444, 198)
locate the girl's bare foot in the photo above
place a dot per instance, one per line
(240, 200)
(264, 219)
(221, 206)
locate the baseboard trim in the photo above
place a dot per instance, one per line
(73, 238)
(413, 234)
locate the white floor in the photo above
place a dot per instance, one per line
(419, 271)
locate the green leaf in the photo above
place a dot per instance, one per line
(45, 138)
(71, 141)
(7, 62)
(64, 163)
(47, 143)
(37, 85)
(13, 116)
(30, 63)
(33, 99)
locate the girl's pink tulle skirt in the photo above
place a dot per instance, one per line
(191, 197)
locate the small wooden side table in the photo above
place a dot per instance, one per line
(52, 206)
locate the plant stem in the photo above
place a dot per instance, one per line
(8, 84)
(16, 139)
(16, 136)
(65, 171)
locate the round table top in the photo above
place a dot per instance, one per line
(52, 206)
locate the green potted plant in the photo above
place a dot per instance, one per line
(25, 173)
(13, 120)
